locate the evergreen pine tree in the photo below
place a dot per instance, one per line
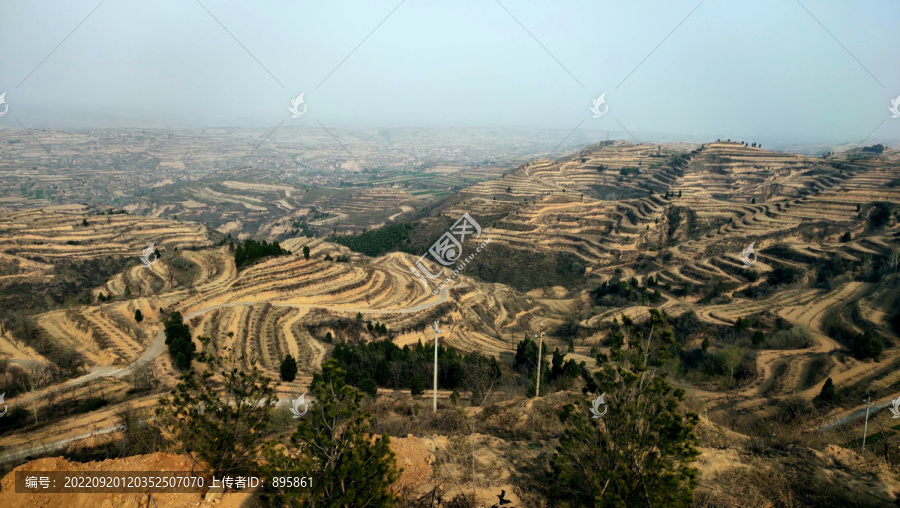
(178, 339)
(758, 337)
(367, 386)
(827, 395)
(640, 452)
(288, 368)
(218, 416)
(348, 466)
(417, 385)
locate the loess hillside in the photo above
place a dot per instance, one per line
(577, 245)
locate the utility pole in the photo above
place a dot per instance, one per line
(437, 330)
(866, 426)
(537, 388)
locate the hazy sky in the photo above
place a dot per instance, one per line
(762, 69)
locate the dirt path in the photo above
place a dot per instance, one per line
(790, 365)
(293, 342)
(318, 353)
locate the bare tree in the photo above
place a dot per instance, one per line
(137, 436)
(143, 377)
(731, 358)
(892, 259)
(885, 441)
(34, 379)
(480, 379)
(395, 368)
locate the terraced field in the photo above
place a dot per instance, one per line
(683, 215)
(282, 305)
(679, 214)
(60, 233)
(46, 254)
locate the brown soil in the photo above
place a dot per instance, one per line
(414, 456)
(153, 462)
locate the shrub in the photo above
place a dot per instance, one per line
(796, 337)
(880, 215)
(784, 275)
(868, 345)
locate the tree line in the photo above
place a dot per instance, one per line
(380, 241)
(383, 363)
(618, 292)
(252, 250)
(560, 374)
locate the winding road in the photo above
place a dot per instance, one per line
(857, 414)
